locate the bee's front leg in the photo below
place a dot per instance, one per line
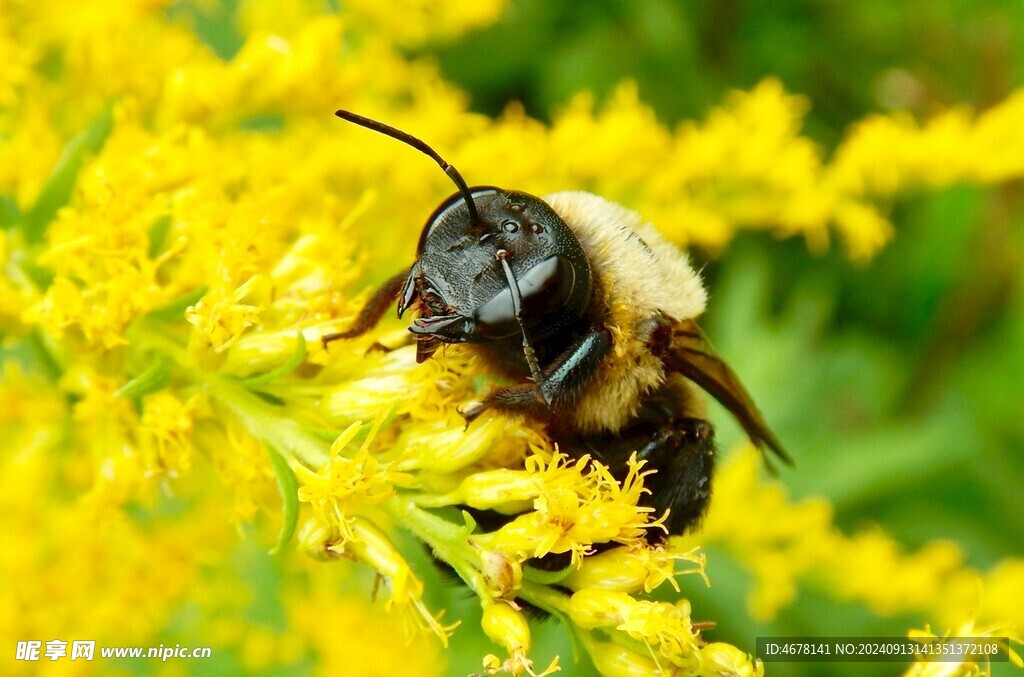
(373, 311)
(560, 383)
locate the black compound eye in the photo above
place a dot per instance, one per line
(537, 228)
(510, 226)
(545, 290)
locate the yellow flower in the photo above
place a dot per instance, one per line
(412, 22)
(631, 569)
(969, 664)
(166, 430)
(505, 625)
(30, 148)
(368, 543)
(783, 543)
(660, 626)
(346, 482)
(575, 504)
(222, 316)
(338, 629)
(616, 660)
(243, 466)
(721, 660)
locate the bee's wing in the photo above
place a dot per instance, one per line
(691, 355)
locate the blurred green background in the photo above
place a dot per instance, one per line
(896, 384)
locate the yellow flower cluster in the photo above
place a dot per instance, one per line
(575, 504)
(185, 227)
(343, 480)
(660, 624)
(782, 543)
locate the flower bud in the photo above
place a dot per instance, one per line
(441, 447)
(506, 626)
(720, 659)
(316, 539)
(502, 573)
(371, 545)
(262, 352)
(615, 660)
(505, 491)
(621, 570)
(593, 608)
(631, 569)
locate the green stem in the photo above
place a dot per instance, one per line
(447, 540)
(555, 603)
(545, 597)
(450, 544)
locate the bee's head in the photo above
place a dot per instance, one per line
(459, 283)
(491, 264)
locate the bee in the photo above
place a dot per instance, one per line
(589, 312)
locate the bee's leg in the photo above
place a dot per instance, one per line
(378, 347)
(682, 452)
(518, 399)
(561, 381)
(374, 309)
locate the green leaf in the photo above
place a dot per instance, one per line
(56, 192)
(298, 357)
(214, 23)
(158, 234)
(9, 212)
(470, 522)
(34, 352)
(265, 122)
(154, 378)
(289, 488)
(26, 272)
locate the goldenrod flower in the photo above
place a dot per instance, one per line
(719, 659)
(575, 504)
(505, 625)
(368, 543)
(632, 569)
(969, 664)
(222, 316)
(346, 482)
(166, 426)
(665, 629)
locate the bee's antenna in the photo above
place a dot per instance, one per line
(517, 308)
(388, 130)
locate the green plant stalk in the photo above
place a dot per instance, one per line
(447, 540)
